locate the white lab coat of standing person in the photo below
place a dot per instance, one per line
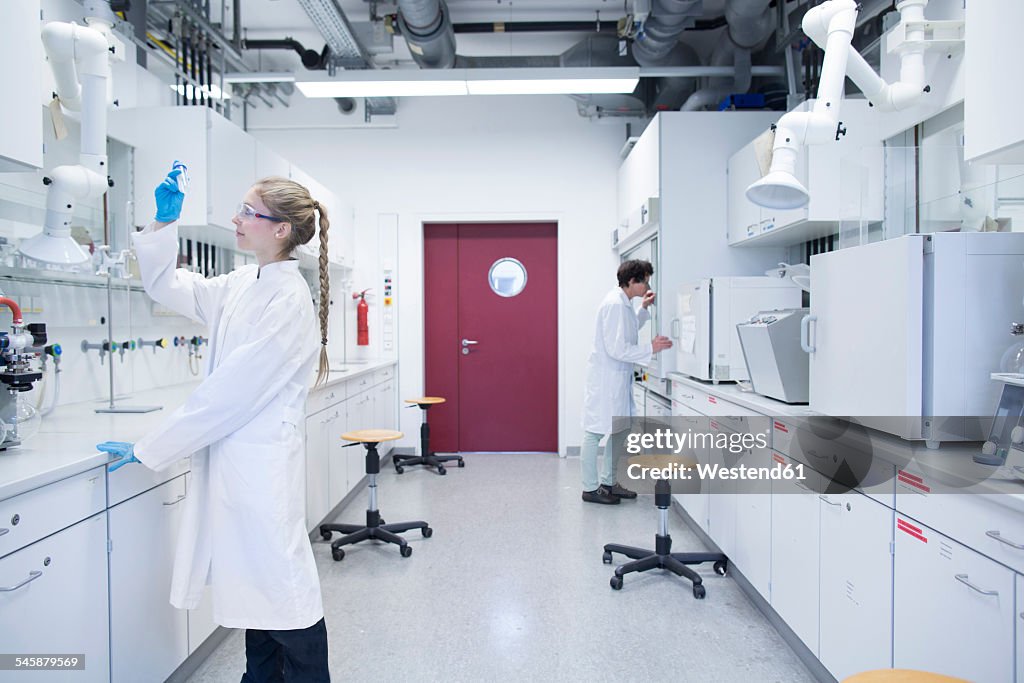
(608, 393)
(243, 528)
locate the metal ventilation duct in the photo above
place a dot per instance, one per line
(428, 31)
(661, 30)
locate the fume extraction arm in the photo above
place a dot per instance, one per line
(830, 25)
(79, 57)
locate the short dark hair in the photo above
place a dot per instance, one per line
(634, 270)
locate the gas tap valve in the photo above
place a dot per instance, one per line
(156, 343)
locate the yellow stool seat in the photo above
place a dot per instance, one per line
(901, 676)
(426, 400)
(372, 435)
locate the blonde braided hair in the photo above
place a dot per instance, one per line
(292, 202)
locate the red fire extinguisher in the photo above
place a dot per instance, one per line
(362, 325)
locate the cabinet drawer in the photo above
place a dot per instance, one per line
(980, 522)
(131, 481)
(384, 374)
(38, 513)
(325, 398)
(692, 398)
(361, 383)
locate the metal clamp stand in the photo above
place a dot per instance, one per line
(375, 528)
(663, 557)
(426, 457)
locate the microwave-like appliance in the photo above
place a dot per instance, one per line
(707, 346)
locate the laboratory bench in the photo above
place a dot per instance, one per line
(920, 565)
(86, 556)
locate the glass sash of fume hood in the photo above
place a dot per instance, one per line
(647, 251)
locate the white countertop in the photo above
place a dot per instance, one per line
(67, 438)
(745, 399)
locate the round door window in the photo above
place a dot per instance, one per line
(507, 277)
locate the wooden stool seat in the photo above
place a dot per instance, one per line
(372, 435)
(426, 400)
(901, 676)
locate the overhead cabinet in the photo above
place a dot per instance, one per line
(21, 135)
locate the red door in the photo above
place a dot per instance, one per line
(502, 390)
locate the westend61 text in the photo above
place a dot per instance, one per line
(706, 471)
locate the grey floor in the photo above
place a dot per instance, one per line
(511, 585)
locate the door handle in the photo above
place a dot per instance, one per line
(962, 578)
(830, 502)
(995, 535)
(4, 532)
(469, 342)
(32, 576)
(805, 332)
(175, 502)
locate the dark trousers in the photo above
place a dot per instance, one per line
(278, 656)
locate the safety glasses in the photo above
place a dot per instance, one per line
(246, 212)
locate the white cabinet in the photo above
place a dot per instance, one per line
(953, 609)
(855, 610)
(795, 544)
(148, 637)
(384, 407)
(360, 416)
(317, 464)
(721, 494)
(21, 135)
(221, 158)
(1019, 611)
(200, 619)
(270, 163)
(695, 499)
(752, 550)
(844, 179)
(54, 600)
(338, 483)
(993, 133)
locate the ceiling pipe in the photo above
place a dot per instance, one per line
(311, 59)
(660, 32)
(428, 31)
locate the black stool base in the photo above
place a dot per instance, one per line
(356, 533)
(432, 460)
(663, 558)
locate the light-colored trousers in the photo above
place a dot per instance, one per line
(615, 445)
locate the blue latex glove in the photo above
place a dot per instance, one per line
(125, 450)
(169, 198)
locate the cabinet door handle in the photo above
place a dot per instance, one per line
(995, 535)
(175, 502)
(4, 532)
(962, 578)
(32, 576)
(802, 486)
(830, 502)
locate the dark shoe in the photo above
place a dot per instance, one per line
(602, 495)
(621, 491)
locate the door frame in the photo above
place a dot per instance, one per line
(556, 217)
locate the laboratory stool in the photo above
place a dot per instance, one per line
(375, 528)
(427, 458)
(900, 676)
(662, 556)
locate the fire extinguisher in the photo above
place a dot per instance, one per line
(362, 325)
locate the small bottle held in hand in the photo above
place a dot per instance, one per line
(183, 178)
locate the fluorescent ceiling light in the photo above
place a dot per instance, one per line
(381, 88)
(212, 91)
(412, 83)
(260, 77)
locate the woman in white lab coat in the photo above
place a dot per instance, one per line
(608, 390)
(243, 529)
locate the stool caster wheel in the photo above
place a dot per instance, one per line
(616, 583)
(721, 567)
(338, 554)
(462, 463)
(324, 534)
(399, 469)
(699, 592)
(441, 470)
(406, 551)
(607, 557)
(380, 521)
(427, 532)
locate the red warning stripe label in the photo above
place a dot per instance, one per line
(778, 458)
(908, 528)
(712, 399)
(913, 480)
(781, 427)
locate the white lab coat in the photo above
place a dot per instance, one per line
(243, 524)
(608, 391)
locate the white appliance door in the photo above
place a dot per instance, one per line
(737, 300)
(693, 309)
(866, 329)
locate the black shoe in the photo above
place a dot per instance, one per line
(620, 491)
(602, 495)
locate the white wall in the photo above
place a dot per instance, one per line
(470, 159)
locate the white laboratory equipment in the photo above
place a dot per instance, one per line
(19, 351)
(909, 330)
(708, 346)
(777, 364)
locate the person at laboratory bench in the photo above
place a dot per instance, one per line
(608, 391)
(243, 529)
